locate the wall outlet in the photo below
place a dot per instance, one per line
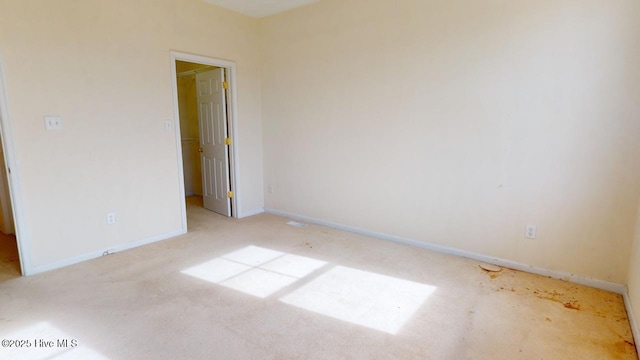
(52, 123)
(270, 189)
(530, 231)
(168, 125)
(111, 218)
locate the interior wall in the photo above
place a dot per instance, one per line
(189, 129)
(189, 133)
(104, 67)
(182, 66)
(460, 122)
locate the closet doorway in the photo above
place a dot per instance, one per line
(204, 106)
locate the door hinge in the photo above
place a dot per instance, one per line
(227, 141)
(225, 85)
(229, 194)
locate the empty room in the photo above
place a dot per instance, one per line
(320, 179)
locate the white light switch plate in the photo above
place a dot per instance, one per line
(52, 123)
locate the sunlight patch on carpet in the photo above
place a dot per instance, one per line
(372, 300)
(255, 270)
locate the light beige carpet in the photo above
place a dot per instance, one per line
(258, 288)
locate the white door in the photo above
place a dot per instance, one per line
(214, 152)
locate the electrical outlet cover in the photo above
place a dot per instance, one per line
(530, 231)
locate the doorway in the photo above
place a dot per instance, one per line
(9, 259)
(205, 115)
(12, 262)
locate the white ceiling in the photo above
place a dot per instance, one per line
(260, 8)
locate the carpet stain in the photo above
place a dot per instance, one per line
(567, 301)
(623, 346)
(620, 349)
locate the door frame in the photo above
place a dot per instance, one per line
(232, 126)
(14, 178)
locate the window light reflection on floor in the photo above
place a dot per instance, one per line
(47, 342)
(363, 298)
(255, 270)
(372, 300)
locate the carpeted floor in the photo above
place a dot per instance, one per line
(258, 288)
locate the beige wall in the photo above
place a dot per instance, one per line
(633, 282)
(459, 122)
(449, 122)
(104, 68)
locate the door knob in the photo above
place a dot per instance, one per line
(200, 150)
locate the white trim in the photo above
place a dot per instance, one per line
(234, 130)
(234, 167)
(15, 180)
(7, 225)
(578, 279)
(633, 320)
(251, 213)
(176, 131)
(103, 252)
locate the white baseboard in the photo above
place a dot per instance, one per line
(251, 213)
(97, 254)
(578, 279)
